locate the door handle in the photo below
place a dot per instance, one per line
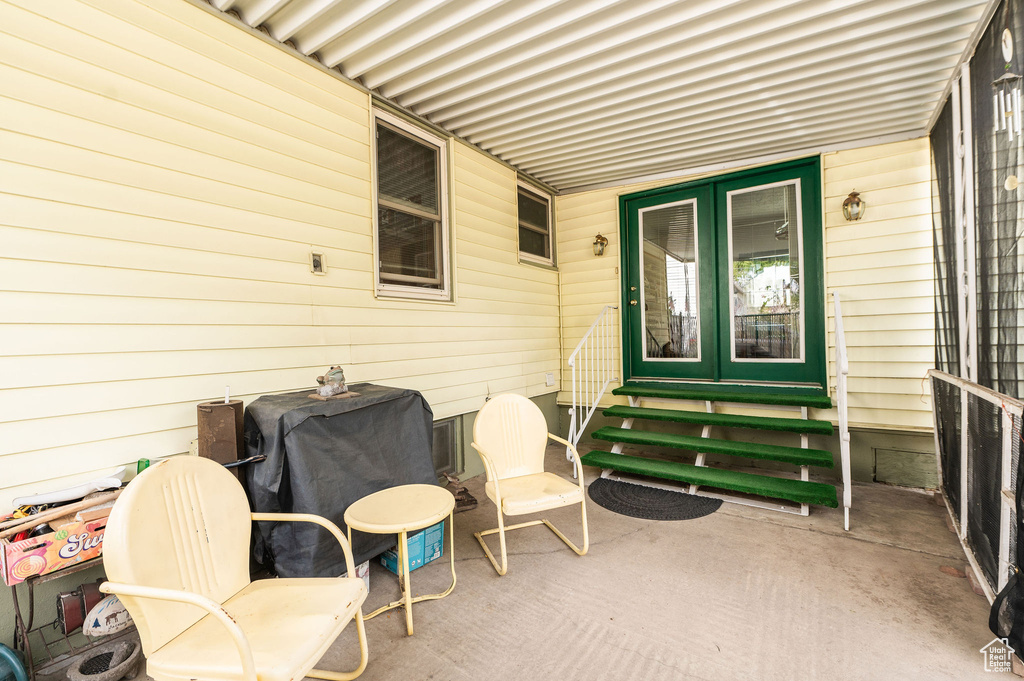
(632, 302)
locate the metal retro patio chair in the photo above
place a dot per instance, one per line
(510, 434)
(176, 551)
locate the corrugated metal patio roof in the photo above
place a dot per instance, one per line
(585, 92)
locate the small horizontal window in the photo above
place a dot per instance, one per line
(535, 230)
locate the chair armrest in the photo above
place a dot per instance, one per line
(492, 474)
(575, 455)
(316, 520)
(198, 600)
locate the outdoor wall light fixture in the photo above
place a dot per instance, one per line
(854, 207)
(599, 243)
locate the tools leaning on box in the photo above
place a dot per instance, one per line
(47, 517)
(38, 514)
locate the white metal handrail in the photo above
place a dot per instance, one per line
(842, 406)
(593, 367)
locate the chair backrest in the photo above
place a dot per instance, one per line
(513, 434)
(182, 524)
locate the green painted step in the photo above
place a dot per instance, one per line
(789, 397)
(727, 420)
(749, 483)
(751, 450)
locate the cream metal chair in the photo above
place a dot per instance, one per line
(176, 551)
(510, 434)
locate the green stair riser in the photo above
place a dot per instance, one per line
(798, 491)
(723, 420)
(793, 455)
(816, 399)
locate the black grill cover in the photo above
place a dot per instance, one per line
(323, 456)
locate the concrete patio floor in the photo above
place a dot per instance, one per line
(740, 594)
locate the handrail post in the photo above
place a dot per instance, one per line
(590, 384)
(842, 373)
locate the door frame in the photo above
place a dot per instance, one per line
(816, 337)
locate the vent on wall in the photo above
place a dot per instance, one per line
(446, 446)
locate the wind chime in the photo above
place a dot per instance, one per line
(1006, 110)
(1006, 100)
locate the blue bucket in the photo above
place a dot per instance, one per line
(11, 666)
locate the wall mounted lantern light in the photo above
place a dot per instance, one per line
(599, 243)
(854, 207)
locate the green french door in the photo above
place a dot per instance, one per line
(723, 278)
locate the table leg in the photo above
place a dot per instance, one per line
(407, 599)
(404, 543)
(451, 550)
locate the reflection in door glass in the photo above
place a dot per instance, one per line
(764, 229)
(670, 282)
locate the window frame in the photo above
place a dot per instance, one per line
(389, 288)
(522, 186)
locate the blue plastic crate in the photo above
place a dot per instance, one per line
(425, 547)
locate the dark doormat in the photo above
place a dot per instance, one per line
(650, 503)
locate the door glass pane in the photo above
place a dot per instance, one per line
(764, 234)
(670, 297)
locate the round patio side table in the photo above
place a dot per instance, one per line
(400, 510)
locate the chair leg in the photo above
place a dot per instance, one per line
(503, 568)
(363, 656)
(586, 535)
(500, 530)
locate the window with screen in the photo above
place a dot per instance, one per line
(411, 225)
(534, 226)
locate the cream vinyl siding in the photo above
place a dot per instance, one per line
(882, 265)
(163, 179)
